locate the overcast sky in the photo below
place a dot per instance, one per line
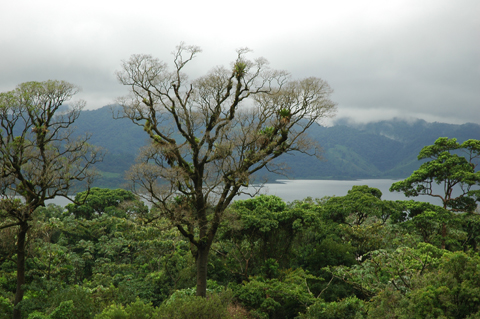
(383, 59)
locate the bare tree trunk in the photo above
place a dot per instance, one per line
(202, 263)
(22, 234)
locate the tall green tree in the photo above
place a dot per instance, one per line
(362, 216)
(360, 203)
(261, 234)
(39, 158)
(447, 167)
(210, 135)
(112, 202)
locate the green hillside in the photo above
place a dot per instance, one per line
(385, 149)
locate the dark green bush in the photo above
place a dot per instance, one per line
(63, 311)
(135, 310)
(113, 312)
(348, 308)
(81, 299)
(187, 307)
(276, 298)
(6, 308)
(36, 315)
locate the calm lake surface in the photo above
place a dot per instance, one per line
(290, 190)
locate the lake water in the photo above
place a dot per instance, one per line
(290, 190)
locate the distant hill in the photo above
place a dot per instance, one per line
(385, 149)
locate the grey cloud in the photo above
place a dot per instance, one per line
(423, 61)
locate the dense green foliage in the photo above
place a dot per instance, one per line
(353, 256)
(271, 260)
(447, 168)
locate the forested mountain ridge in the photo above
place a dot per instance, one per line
(385, 149)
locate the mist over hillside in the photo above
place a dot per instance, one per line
(384, 149)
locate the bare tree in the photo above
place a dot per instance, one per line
(210, 135)
(39, 159)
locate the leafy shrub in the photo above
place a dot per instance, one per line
(276, 298)
(83, 306)
(212, 288)
(6, 308)
(140, 310)
(135, 310)
(113, 312)
(348, 308)
(186, 307)
(63, 311)
(37, 315)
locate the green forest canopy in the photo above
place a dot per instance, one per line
(352, 256)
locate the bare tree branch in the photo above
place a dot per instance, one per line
(210, 135)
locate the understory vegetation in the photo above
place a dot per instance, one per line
(355, 256)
